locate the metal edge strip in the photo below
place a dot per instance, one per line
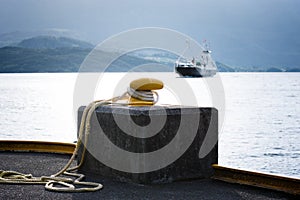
(267, 181)
(37, 146)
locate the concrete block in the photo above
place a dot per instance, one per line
(151, 144)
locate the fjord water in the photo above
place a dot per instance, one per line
(260, 132)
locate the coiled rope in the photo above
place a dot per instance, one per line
(58, 183)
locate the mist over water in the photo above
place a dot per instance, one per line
(260, 132)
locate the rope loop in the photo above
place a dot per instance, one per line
(58, 183)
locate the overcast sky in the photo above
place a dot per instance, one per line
(253, 23)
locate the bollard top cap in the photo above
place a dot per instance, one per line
(144, 84)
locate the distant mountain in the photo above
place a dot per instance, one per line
(274, 69)
(245, 54)
(293, 70)
(29, 60)
(224, 68)
(13, 38)
(19, 60)
(63, 54)
(52, 42)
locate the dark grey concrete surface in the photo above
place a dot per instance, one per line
(202, 122)
(46, 164)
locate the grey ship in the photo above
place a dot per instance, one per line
(202, 67)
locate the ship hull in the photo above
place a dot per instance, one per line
(195, 71)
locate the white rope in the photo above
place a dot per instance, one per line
(65, 184)
(62, 184)
(144, 95)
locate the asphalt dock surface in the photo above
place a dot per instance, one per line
(39, 164)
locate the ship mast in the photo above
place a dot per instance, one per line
(187, 41)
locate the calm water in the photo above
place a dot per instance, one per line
(260, 132)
